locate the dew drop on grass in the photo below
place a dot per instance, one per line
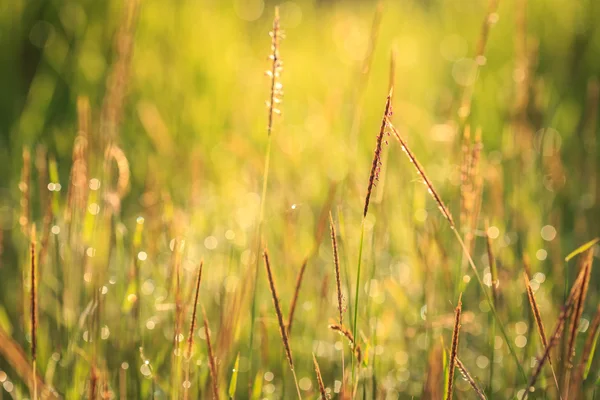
(145, 370)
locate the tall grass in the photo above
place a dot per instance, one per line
(117, 176)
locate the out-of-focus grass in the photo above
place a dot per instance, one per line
(194, 132)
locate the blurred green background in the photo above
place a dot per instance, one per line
(194, 131)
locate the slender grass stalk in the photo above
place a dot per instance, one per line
(565, 313)
(373, 178)
(33, 306)
(282, 330)
(296, 295)
(588, 258)
(465, 373)
(274, 99)
(211, 358)
(338, 282)
(588, 353)
(319, 379)
(495, 282)
(538, 321)
(193, 324)
(454, 350)
(336, 263)
(446, 213)
(342, 330)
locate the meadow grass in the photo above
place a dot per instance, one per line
(138, 148)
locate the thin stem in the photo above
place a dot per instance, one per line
(34, 380)
(297, 386)
(490, 304)
(360, 249)
(258, 240)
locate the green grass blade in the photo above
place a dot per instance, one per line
(582, 248)
(234, 376)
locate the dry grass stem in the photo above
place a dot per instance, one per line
(565, 313)
(421, 172)
(376, 164)
(336, 263)
(454, 349)
(282, 330)
(193, 324)
(463, 371)
(296, 295)
(588, 349)
(342, 330)
(587, 258)
(319, 379)
(211, 358)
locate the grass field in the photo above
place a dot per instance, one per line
(257, 200)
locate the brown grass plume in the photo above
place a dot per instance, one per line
(454, 349)
(319, 379)
(376, 164)
(296, 295)
(193, 324)
(336, 263)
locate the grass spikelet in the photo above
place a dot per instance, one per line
(211, 358)
(535, 309)
(275, 72)
(469, 378)
(578, 310)
(282, 330)
(376, 164)
(276, 93)
(341, 329)
(373, 178)
(446, 213)
(193, 324)
(589, 348)
(565, 313)
(319, 379)
(538, 321)
(454, 349)
(296, 295)
(421, 172)
(336, 263)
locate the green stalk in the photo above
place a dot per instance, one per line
(491, 305)
(258, 234)
(492, 347)
(360, 249)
